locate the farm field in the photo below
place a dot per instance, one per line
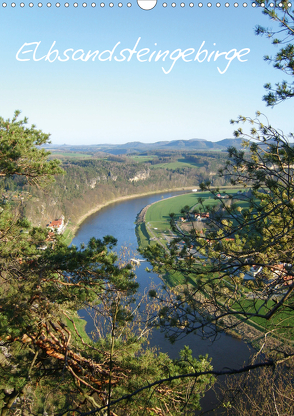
(157, 219)
(66, 155)
(162, 209)
(179, 164)
(156, 228)
(142, 159)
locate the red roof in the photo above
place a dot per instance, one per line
(55, 223)
(50, 236)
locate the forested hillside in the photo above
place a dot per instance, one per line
(90, 181)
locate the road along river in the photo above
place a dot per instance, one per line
(118, 220)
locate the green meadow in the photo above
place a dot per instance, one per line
(276, 324)
(157, 219)
(142, 159)
(162, 209)
(66, 155)
(179, 164)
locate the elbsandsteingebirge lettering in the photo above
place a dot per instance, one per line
(222, 59)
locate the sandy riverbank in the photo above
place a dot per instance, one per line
(82, 218)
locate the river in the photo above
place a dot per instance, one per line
(118, 219)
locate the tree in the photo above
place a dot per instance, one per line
(241, 269)
(266, 392)
(48, 365)
(280, 12)
(21, 152)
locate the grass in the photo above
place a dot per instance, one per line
(142, 235)
(80, 326)
(161, 210)
(158, 215)
(142, 159)
(174, 279)
(179, 164)
(157, 227)
(278, 321)
(68, 234)
(160, 230)
(74, 155)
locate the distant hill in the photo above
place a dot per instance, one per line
(230, 142)
(192, 144)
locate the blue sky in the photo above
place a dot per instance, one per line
(89, 102)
